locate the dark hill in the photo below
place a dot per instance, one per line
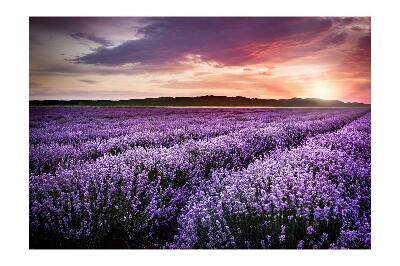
(208, 100)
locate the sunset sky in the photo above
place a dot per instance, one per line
(263, 57)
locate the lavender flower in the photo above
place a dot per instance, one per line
(200, 178)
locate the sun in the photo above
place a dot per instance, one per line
(324, 90)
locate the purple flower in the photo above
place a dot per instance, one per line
(310, 230)
(207, 178)
(300, 245)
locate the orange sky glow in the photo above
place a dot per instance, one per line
(264, 57)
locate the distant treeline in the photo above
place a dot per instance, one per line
(208, 100)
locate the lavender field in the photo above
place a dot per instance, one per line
(200, 178)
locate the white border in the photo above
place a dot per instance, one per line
(14, 130)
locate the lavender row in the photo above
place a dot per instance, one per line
(314, 196)
(47, 156)
(73, 126)
(137, 196)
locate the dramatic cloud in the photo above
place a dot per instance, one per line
(228, 41)
(267, 57)
(91, 37)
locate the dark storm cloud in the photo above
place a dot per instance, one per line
(91, 37)
(228, 41)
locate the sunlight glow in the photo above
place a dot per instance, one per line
(324, 90)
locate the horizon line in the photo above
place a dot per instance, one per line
(200, 96)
